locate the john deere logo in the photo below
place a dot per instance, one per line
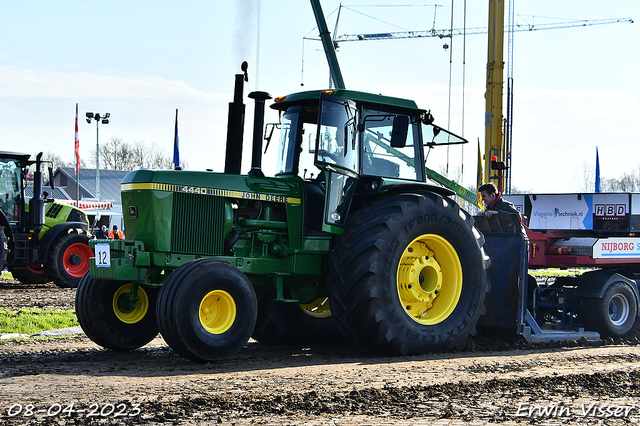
(133, 212)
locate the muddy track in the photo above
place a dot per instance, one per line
(76, 382)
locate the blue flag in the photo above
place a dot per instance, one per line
(597, 171)
(176, 148)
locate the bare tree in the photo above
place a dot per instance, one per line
(151, 157)
(117, 154)
(55, 162)
(628, 182)
(585, 178)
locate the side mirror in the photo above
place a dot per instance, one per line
(399, 131)
(51, 178)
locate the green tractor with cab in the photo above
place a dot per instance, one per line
(347, 237)
(42, 240)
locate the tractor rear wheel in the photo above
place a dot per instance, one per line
(281, 323)
(105, 320)
(614, 314)
(33, 274)
(68, 258)
(206, 310)
(408, 276)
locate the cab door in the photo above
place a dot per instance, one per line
(337, 156)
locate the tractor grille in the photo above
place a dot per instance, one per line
(54, 210)
(198, 224)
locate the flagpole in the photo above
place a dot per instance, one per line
(77, 158)
(597, 186)
(176, 147)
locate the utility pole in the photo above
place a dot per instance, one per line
(105, 120)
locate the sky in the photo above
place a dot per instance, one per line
(575, 89)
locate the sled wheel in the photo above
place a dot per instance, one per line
(408, 276)
(282, 323)
(206, 310)
(69, 259)
(33, 274)
(109, 322)
(613, 315)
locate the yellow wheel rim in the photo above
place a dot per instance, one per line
(429, 279)
(138, 312)
(217, 311)
(319, 308)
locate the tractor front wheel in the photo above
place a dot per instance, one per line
(68, 259)
(408, 276)
(206, 310)
(108, 317)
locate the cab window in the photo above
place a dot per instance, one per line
(298, 139)
(379, 157)
(10, 181)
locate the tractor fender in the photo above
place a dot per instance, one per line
(50, 236)
(395, 188)
(595, 284)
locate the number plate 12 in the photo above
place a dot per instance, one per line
(103, 256)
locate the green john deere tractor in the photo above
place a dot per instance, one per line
(42, 240)
(347, 236)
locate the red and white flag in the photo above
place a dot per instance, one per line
(77, 156)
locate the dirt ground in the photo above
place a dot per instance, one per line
(70, 380)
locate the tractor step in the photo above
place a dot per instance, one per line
(21, 250)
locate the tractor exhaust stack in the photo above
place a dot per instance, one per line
(258, 124)
(36, 204)
(235, 125)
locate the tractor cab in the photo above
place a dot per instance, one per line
(342, 142)
(11, 166)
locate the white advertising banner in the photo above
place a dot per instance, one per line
(559, 212)
(577, 211)
(611, 248)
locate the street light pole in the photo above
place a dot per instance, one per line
(105, 120)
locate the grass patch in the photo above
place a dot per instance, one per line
(6, 275)
(35, 320)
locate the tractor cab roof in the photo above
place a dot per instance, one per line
(313, 97)
(20, 157)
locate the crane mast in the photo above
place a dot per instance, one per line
(494, 142)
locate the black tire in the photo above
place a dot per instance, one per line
(613, 315)
(281, 323)
(364, 291)
(33, 274)
(108, 326)
(68, 258)
(230, 316)
(4, 248)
